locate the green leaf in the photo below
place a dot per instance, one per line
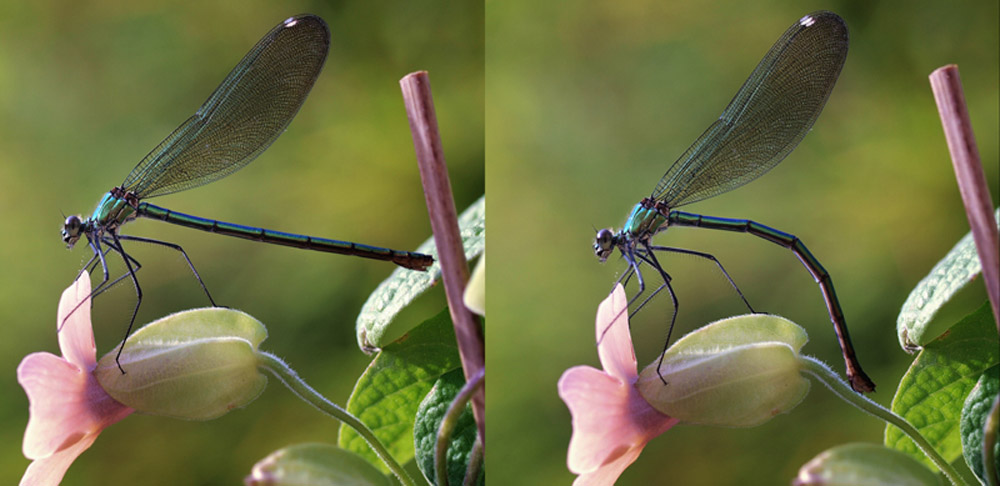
(931, 393)
(387, 395)
(315, 465)
(914, 326)
(864, 464)
(397, 291)
(463, 436)
(977, 408)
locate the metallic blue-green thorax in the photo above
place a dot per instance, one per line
(112, 211)
(644, 220)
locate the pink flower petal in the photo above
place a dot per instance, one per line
(76, 336)
(50, 382)
(610, 418)
(593, 398)
(610, 471)
(614, 341)
(67, 406)
(611, 421)
(50, 471)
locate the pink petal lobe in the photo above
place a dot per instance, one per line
(50, 471)
(67, 407)
(593, 399)
(76, 336)
(610, 471)
(50, 382)
(610, 419)
(614, 341)
(65, 404)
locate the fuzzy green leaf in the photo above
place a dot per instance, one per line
(915, 325)
(977, 408)
(403, 286)
(931, 393)
(387, 395)
(463, 436)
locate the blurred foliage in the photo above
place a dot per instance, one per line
(588, 105)
(88, 88)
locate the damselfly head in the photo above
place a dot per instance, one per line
(604, 244)
(71, 230)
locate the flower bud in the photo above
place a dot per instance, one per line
(864, 464)
(475, 290)
(195, 365)
(737, 372)
(314, 464)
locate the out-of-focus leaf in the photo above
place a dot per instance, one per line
(315, 465)
(931, 393)
(397, 291)
(387, 395)
(915, 326)
(864, 464)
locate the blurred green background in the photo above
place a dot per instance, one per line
(88, 88)
(589, 102)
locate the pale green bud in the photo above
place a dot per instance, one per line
(737, 372)
(475, 290)
(195, 365)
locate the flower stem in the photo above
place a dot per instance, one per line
(291, 379)
(419, 103)
(839, 387)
